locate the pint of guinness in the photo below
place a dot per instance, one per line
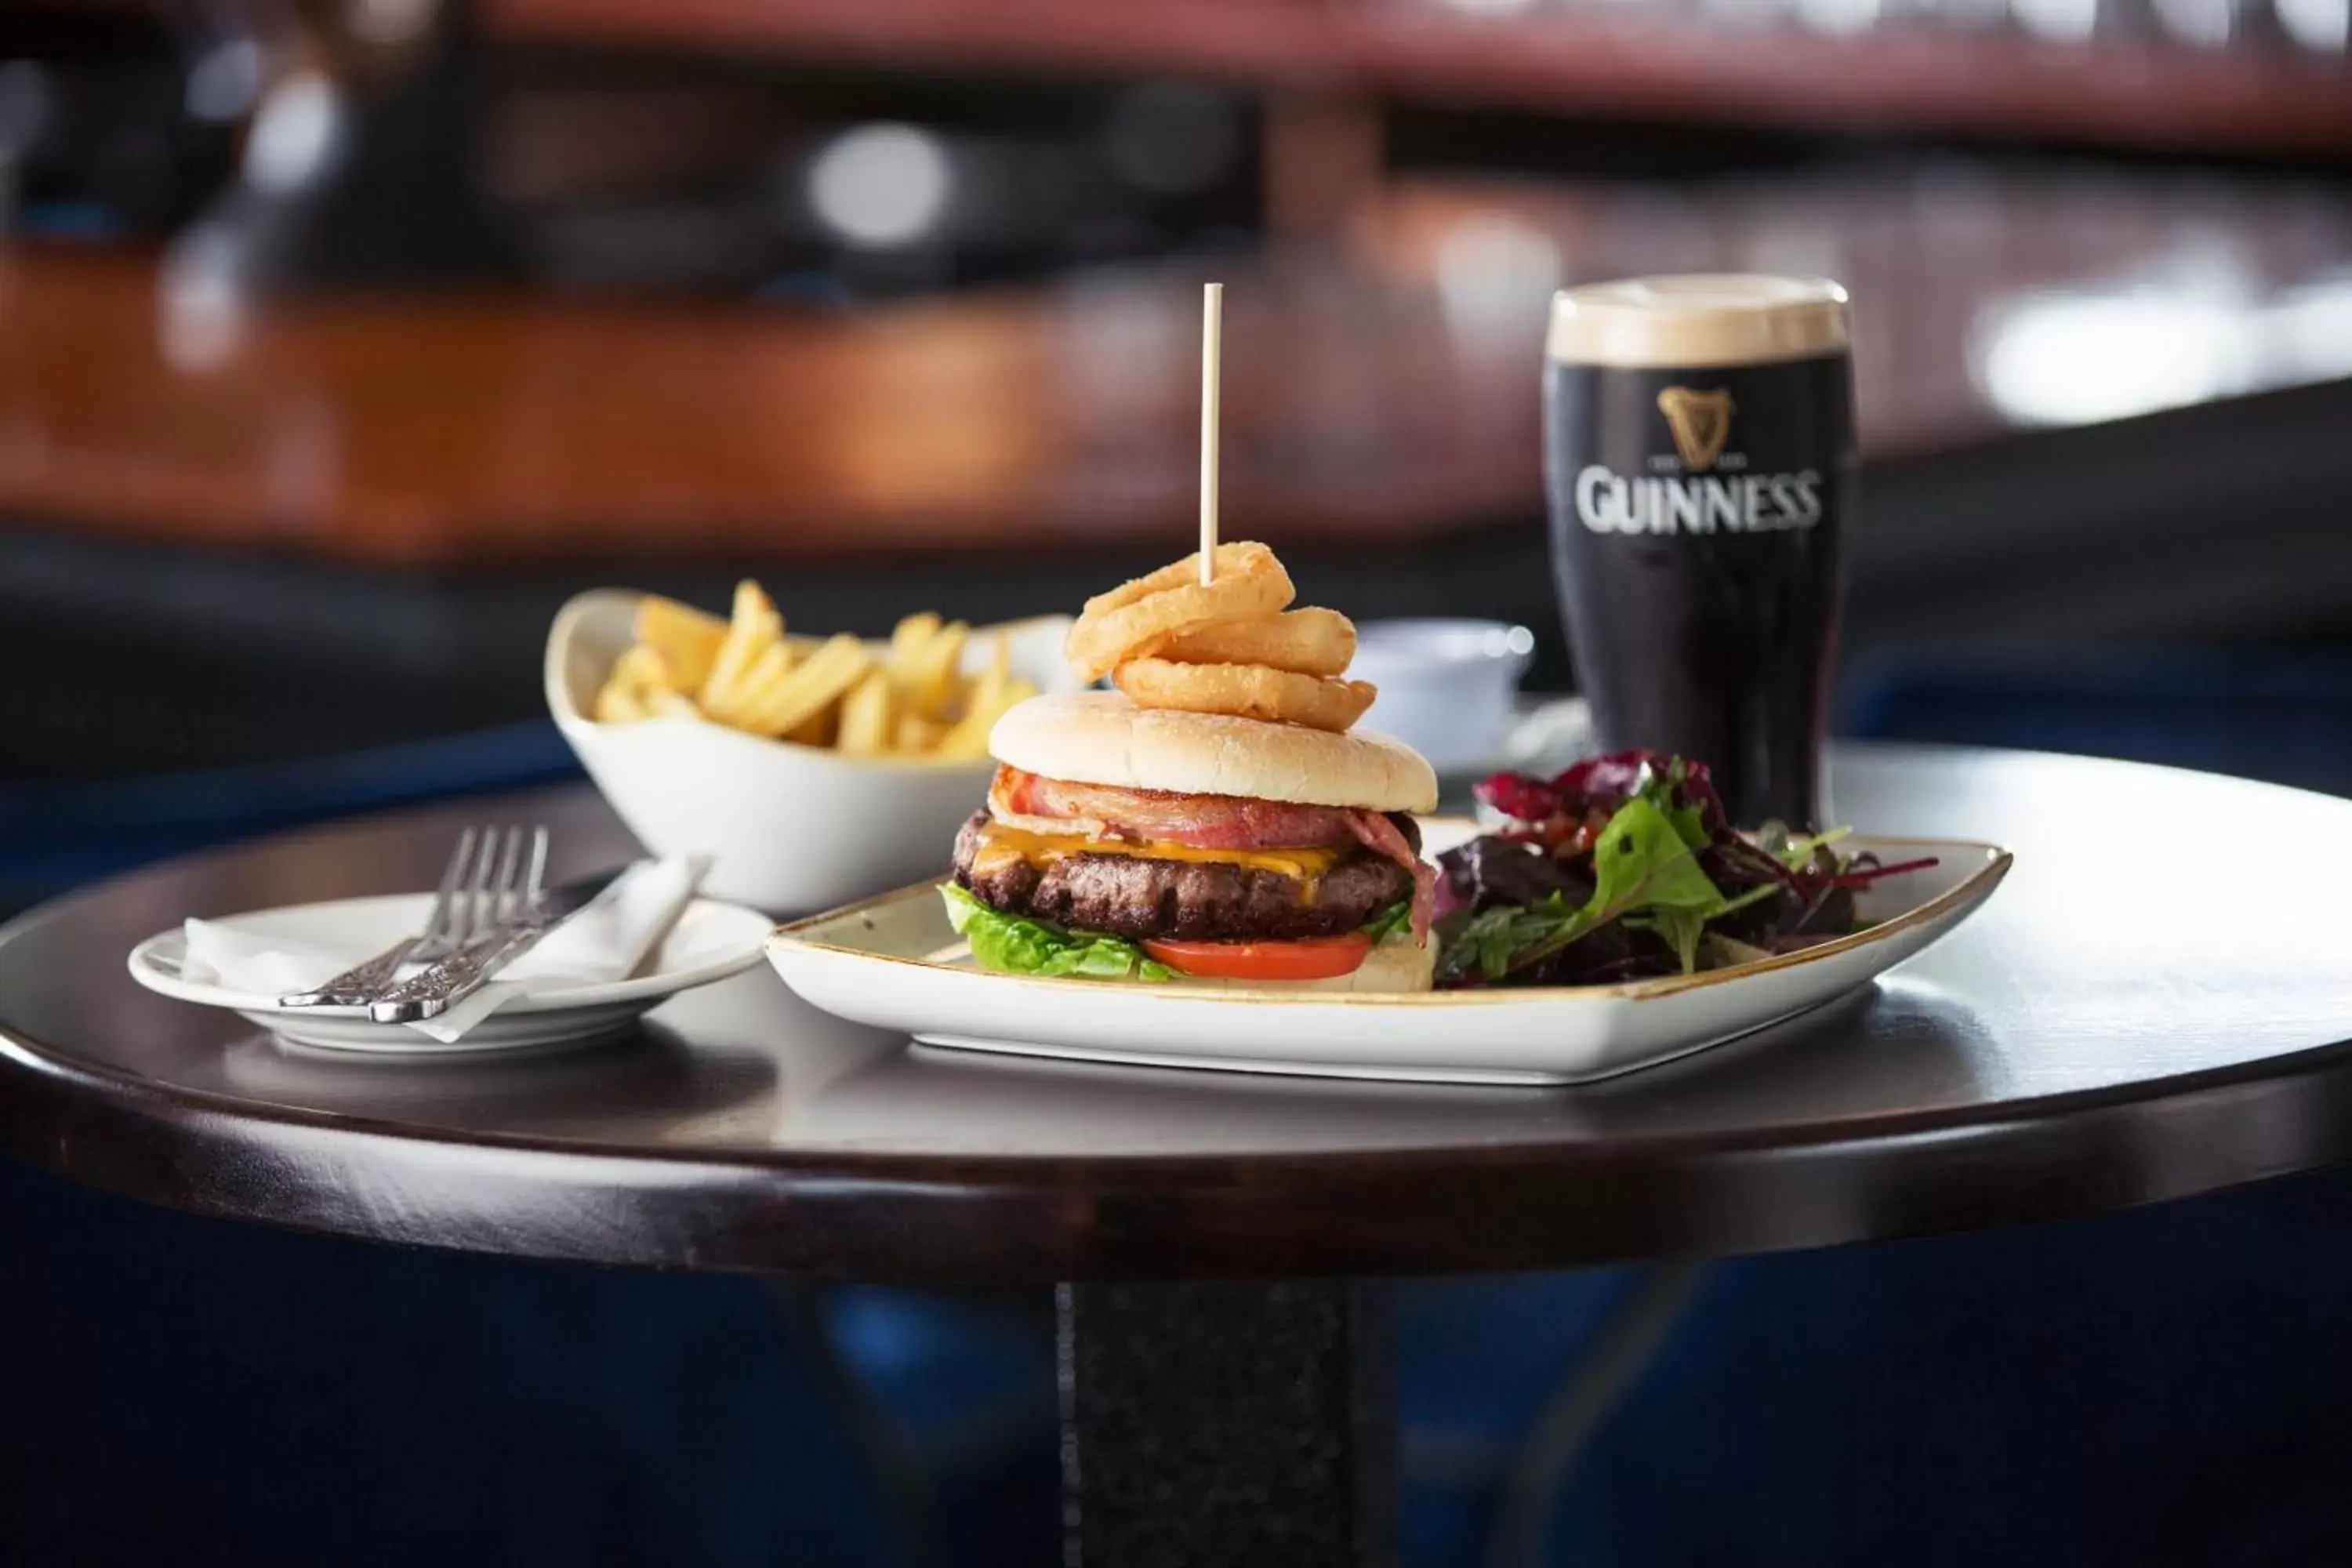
(1699, 452)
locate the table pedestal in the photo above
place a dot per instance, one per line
(1207, 1425)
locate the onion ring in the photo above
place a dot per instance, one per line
(1133, 618)
(1247, 691)
(1304, 642)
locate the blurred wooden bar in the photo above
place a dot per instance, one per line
(1382, 387)
(528, 427)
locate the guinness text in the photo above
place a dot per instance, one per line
(1611, 502)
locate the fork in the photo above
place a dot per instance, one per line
(481, 886)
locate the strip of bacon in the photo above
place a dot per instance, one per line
(1201, 821)
(1382, 836)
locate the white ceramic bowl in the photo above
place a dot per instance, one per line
(789, 828)
(1446, 686)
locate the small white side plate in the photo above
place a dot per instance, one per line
(895, 962)
(710, 941)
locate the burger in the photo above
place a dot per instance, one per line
(1127, 842)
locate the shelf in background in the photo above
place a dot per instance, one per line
(1555, 60)
(1908, 75)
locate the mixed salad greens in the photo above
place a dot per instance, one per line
(1624, 868)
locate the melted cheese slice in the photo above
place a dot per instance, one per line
(1001, 846)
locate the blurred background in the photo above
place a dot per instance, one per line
(342, 339)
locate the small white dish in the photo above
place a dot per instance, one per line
(710, 941)
(1448, 688)
(895, 962)
(1544, 736)
(787, 827)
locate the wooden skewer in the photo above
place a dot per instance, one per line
(1212, 309)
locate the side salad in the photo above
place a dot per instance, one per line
(1624, 868)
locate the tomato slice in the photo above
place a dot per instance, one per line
(1314, 958)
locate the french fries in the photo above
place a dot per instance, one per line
(791, 699)
(912, 700)
(907, 639)
(866, 718)
(927, 680)
(756, 633)
(688, 639)
(640, 688)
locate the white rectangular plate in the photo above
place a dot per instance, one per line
(895, 962)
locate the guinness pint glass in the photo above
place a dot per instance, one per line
(1698, 453)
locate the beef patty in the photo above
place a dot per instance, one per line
(1135, 897)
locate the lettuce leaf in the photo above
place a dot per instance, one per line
(1491, 940)
(1642, 860)
(1389, 922)
(1665, 791)
(1793, 851)
(1014, 945)
(1678, 928)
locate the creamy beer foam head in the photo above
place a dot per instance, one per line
(1697, 319)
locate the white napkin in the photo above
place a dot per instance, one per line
(604, 942)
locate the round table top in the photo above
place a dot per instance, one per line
(2154, 1005)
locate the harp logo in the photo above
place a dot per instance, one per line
(1701, 424)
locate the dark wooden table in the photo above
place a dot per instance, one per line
(2155, 1005)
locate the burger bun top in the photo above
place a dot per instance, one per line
(1104, 738)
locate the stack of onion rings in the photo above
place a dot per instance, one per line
(1134, 618)
(1170, 640)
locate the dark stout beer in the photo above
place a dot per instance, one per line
(1699, 452)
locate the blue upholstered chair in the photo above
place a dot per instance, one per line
(59, 833)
